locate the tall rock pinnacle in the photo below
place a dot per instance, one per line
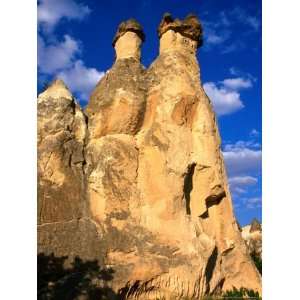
(153, 178)
(117, 103)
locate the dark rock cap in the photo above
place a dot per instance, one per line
(189, 27)
(129, 25)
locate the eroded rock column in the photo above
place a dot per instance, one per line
(64, 226)
(117, 103)
(115, 113)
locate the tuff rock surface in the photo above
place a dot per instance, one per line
(252, 234)
(140, 183)
(64, 226)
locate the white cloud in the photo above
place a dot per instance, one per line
(224, 101)
(56, 56)
(252, 203)
(214, 32)
(238, 73)
(243, 180)
(62, 58)
(237, 83)
(212, 38)
(81, 79)
(241, 145)
(241, 160)
(239, 184)
(225, 96)
(50, 12)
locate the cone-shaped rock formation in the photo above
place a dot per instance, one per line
(146, 171)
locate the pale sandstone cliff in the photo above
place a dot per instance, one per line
(147, 175)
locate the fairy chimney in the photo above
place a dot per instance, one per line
(147, 171)
(128, 39)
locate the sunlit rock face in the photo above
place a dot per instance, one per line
(117, 104)
(151, 178)
(252, 234)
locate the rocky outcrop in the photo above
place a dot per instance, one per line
(252, 234)
(151, 182)
(64, 226)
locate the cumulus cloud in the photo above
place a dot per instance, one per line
(241, 160)
(225, 101)
(239, 184)
(243, 164)
(61, 57)
(81, 79)
(241, 145)
(50, 12)
(225, 95)
(58, 55)
(237, 83)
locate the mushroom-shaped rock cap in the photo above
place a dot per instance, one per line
(189, 27)
(129, 25)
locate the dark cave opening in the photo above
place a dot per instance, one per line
(188, 186)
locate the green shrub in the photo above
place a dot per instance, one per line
(242, 293)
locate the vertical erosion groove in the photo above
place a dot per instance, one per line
(211, 264)
(188, 186)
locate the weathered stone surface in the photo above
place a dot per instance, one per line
(130, 25)
(78, 237)
(64, 226)
(252, 234)
(61, 134)
(255, 226)
(190, 27)
(117, 104)
(151, 198)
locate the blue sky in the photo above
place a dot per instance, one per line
(74, 43)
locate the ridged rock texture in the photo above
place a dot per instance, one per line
(140, 182)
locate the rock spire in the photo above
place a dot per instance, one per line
(128, 39)
(141, 175)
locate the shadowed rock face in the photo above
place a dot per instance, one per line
(152, 182)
